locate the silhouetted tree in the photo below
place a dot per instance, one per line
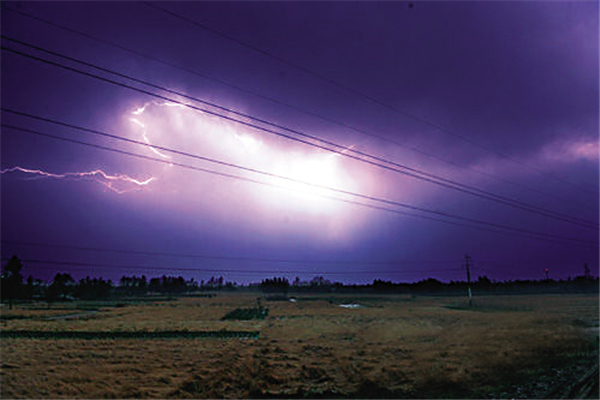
(429, 285)
(62, 286)
(275, 286)
(12, 280)
(93, 289)
(28, 291)
(192, 285)
(154, 285)
(133, 285)
(319, 281)
(34, 288)
(212, 284)
(171, 284)
(383, 286)
(483, 283)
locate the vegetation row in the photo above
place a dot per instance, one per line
(222, 334)
(65, 288)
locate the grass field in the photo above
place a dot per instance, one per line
(391, 346)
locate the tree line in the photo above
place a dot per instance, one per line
(64, 288)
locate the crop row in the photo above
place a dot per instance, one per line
(223, 334)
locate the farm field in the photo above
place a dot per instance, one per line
(376, 347)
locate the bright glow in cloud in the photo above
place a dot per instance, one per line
(212, 137)
(174, 126)
(117, 183)
(319, 170)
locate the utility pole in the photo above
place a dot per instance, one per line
(586, 271)
(467, 259)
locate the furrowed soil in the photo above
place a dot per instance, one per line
(385, 347)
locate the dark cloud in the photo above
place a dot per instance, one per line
(512, 85)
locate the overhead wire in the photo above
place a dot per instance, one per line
(221, 270)
(495, 266)
(505, 263)
(399, 168)
(273, 100)
(256, 259)
(357, 92)
(215, 257)
(480, 224)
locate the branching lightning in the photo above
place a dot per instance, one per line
(99, 176)
(139, 123)
(145, 137)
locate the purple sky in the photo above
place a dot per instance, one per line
(499, 96)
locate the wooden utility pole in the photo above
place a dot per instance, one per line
(467, 260)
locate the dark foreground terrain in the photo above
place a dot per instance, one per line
(328, 346)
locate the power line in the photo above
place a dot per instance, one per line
(273, 100)
(538, 235)
(431, 178)
(233, 86)
(356, 92)
(409, 171)
(214, 257)
(495, 267)
(503, 263)
(221, 270)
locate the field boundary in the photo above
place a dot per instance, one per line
(95, 335)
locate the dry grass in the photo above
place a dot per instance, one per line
(394, 347)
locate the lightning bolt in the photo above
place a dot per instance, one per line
(145, 135)
(98, 176)
(139, 111)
